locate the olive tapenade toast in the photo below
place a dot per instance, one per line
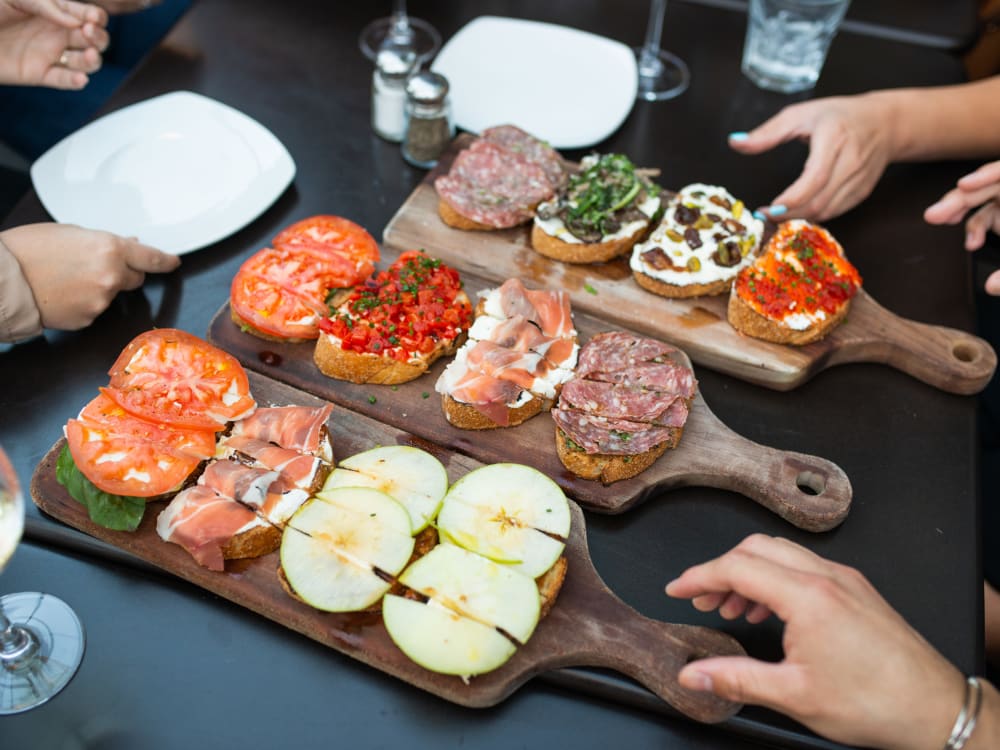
(705, 238)
(606, 208)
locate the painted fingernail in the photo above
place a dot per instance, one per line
(776, 210)
(759, 216)
(739, 135)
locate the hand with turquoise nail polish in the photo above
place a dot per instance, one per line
(853, 669)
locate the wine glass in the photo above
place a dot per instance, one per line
(41, 638)
(401, 31)
(662, 75)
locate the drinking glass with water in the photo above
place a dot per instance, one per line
(787, 41)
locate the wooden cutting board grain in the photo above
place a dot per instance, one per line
(945, 358)
(588, 625)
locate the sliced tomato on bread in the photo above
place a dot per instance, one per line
(334, 235)
(169, 376)
(122, 454)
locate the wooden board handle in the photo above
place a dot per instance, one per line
(615, 636)
(946, 358)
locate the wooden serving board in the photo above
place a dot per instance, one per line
(810, 492)
(587, 626)
(946, 358)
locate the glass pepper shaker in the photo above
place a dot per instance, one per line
(429, 128)
(393, 65)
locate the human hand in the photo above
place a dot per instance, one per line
(853, 670)
(75, 273)
(53, 43)
(980, 188)
(848, 151)
(118, 7)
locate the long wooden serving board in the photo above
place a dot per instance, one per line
(587, 626)
(810, 492)
(946, 358)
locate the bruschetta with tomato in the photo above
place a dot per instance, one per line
(392, 327)
(282, 292)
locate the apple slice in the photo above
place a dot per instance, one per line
(508, 513)
(411, 476)
(469, 598)
(334, 544)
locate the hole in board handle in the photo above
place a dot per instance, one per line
(810, 483)
(963, 351)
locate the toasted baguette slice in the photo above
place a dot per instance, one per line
(255, 542)
(748, 321)
(584, 252)
(608, 468)
(467, 417)
(549, 584)
(362, 367)
(666, 289)
(453, 218)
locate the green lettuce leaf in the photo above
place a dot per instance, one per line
(118, 512)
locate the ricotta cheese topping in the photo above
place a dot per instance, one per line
(706, 235)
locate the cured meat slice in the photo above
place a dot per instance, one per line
(295, 427)
(202, 521)
(620, 401)
(621, 437)
(494, 186)
(514, 139)
(246, 484)
(666, 377)
(522, 368)
(297, 469)
(617, 350)
(548, 308)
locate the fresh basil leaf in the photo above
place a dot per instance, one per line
(117, 512)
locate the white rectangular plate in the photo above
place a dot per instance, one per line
(568, 87)
(179, 171)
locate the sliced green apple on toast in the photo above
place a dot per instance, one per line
(340, 546)
(469, 601)
(510, 513)
(411, 476)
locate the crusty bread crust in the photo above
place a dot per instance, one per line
(258, 541)
(748, 321)
(247, 327)
(550, 582)
(363, 367)
(453, 218)
(666, 289)
(608, 468)
(467, 417)
(584, 252)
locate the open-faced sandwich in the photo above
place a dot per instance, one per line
(797, 290)
(702, 242)
(521, 349)
(282, 292)
(391, 328)
(626, 405)
(498, 180)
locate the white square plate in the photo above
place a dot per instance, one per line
(565, 86)
(179, 171)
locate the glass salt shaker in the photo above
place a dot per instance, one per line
(393, 65)
(429, 128)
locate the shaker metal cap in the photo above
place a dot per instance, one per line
(396, 62)
(427, 87)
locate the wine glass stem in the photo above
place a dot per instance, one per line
(400, 31)
(649, 62)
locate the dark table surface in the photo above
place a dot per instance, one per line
(169, 665)
(950, 26)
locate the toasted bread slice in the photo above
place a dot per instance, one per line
(467, 417)
(608, 468)
(584, 252)
(748, 321)
(255, 542)
(677, 291)
(453, 218)
(550, 582)
(362, 367)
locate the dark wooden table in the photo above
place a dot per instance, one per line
(169, 665)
